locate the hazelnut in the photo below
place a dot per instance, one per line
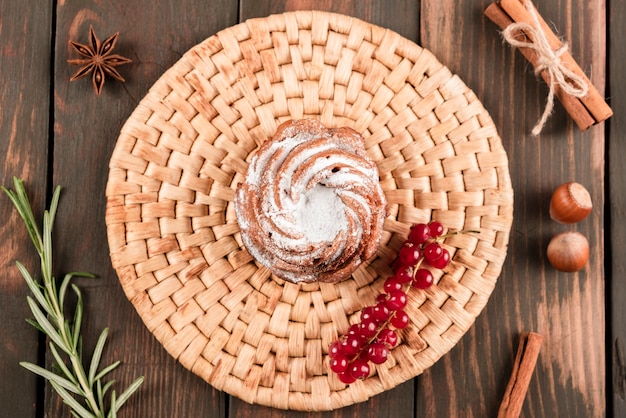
(568, 251)
(570, 203)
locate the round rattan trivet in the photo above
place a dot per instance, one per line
(174, 238)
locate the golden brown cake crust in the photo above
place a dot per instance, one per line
(311, 207)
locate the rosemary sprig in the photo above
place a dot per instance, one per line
(69, 377)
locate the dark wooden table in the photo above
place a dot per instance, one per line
(53, 132)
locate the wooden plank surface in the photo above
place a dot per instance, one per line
(24, 121)
(86, 129)
(616, 255)
(566, 308)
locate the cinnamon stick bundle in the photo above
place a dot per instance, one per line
(585, 111)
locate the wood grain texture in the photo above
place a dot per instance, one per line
(566, 308)
(616, 261)
(24, 118)
(86, 129)
(395, 403)
(397, 15)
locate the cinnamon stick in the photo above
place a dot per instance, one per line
(525, 361)
(572, 105)
(585, 111)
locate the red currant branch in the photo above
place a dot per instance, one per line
(375, 335)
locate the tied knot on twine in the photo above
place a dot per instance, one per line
(548, 60)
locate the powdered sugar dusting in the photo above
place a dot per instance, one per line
(320, 214)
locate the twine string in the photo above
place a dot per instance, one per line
(549, 60)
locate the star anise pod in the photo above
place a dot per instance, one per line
(98, 60)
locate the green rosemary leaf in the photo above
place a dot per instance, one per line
(66, 281)
(61, 365)
(97, 355)
(106, 370)
(83, 274)
(54, 204)
(52, 377)
(35, 288)
(69, 338)
(78, 317)
(132, 388)
(21, 203)
(107, 386)
(63, 289)
(35, 324)
(47, 327)
(113, 410)
(73, 403)
(46, 257)
(99, 393)
(51, 284)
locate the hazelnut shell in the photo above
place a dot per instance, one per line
(570, 203)
(568, 251)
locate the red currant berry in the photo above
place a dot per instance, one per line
(351, 345)
(381, 298)
(388, 336)
(405, 275)
(392, 284)
(368, 328)
(334, 349)
(367, 313)
(432, 251)
(423, 279)
(359, 369)
(339, 364)
(346, 377)
(442, 261)
(400, 320)
(409, 255)
(353, 329)
(397, 265)
(396, 301)
(381, 312)
(436, 229)
(419, 234)
(377, 353)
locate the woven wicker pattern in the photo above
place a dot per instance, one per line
(173, 234)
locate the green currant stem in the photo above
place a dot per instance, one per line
(415, 268)
(453, 233)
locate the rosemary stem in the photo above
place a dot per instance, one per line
(82, 380)
(45, 254)
(48, 310)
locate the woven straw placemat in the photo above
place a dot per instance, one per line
(174, 237)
